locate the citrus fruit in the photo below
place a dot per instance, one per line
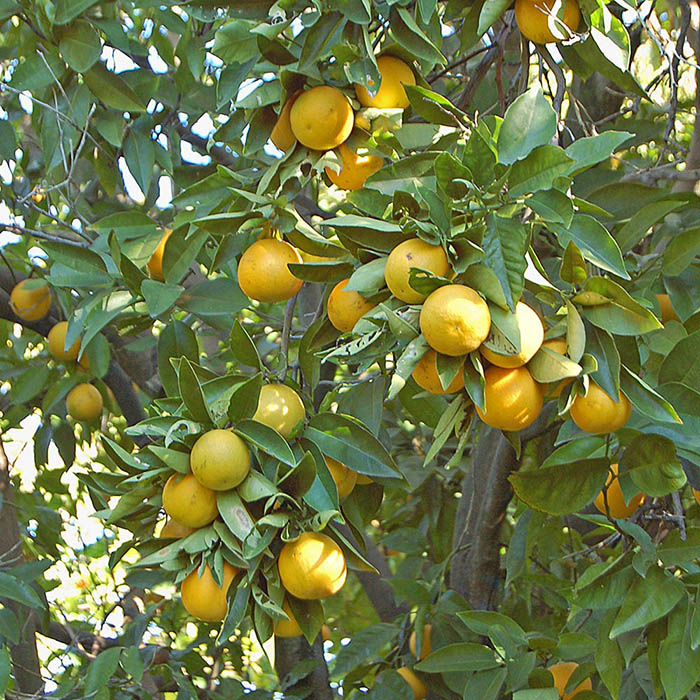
(455, 320)
(426, 646)
(175, 530)
(512, 398)
(696, 496)
(84, 402)
(290, 627)
(428, 379)
(561, 673)
(531, 337)
(420, 689)
(346, 308)
(188, 502)
(263, 272)
(155, 262)
(536, 21)
(202, 597)
(615, 498)
(282, 135)
(668, 313)
(597, 413)
(220, 460)
(312, 566)
(413, 253)
(344, 477)
(356, 169)
(391, 94)
(57, 343)
(30, 299)
(321, 118)
(280, 407)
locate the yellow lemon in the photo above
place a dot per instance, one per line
(188, 502)
(57, 343)
(409, 254)
(512, 398)
(391, 94)
(263, 271)
(321, 118)
(344, 478)
(84, 402)
(220, 460)
(203, 598)
(615, 498)
(280, 407)
(597, 413)
(30, 299)
(346, 307)
(356, 169)
(536, 23)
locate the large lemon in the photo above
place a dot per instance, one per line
(615, 498)
(531, 337)
(561, 673)
(426, 646)
(413, 253)
(263, 272)
(597, 413)
(280, 407)
(57, 343)
(321, 118)
(155, 263)
(420, 689)
(30, 299)
(188, 502)
(220, 460)
(312, 566)
(84, 402)
(427, 377)
(512, 398)
(344, 478)
(536, 19)
(455, 320)
(175, 530)
(356, 169)
(391, 94)
(290, 627)
(346, 307)
(203, 598)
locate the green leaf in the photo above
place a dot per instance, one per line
(538, 694)
(140, 156)
(14, 589)
(640, 223)
(491, 12)
(234, 514)
(76, 258)
(365, 646)
(160, 297)
(561, 489)
(573, 265)
(389, 684)
(486, 685)
(549, 366)
(646, 400)
(679, 664)
(243, 347)
(653, 465)
(433, 107)
(505, 243)
(101, 670)
(8, 140)
(516, 554)
(459, 657)
(320, 39)
(67, 10)
(38, 71)
(177, 339)
(601, 345)
(112, 90)
(681, 251)
(591, 150)
(80, 46)
(30, 383)
(537, 171)
(482, 622)
(530, 121)
(192, 393)
(594, 242)
(608, 657)
(647, 599)
(675, 551)
(5, 667)
(267, 439)
(410, 36)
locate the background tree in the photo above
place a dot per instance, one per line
(485, 361)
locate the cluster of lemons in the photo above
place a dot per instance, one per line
(30, 301)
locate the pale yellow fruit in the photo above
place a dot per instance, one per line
(263, 271)
(346, 307)
(391, 94)
(512, 398)
(344, 477)
(321, 118)
(57, 342)
(188, 502)
(30, 299)
(356, 169)
(220, 460)
(414, 252)
(203, 598)
(531, 337)
(84, 402)
(175, 530)
(282, 135)
(536, 24)
(598, 413)
(561, 673)
(280, 407)
(426, 647)
(428, 379)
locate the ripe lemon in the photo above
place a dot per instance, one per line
(512, 398)
(344, 477)
(420, 689)
(175, 530)
(282, 135)
(455, 320)
(616, 501)
(426, 646)
(290, 627)
(561, 673)
(220, 460)
(531, 337)
(263, 272)
(346, 308)
(203, 598)
(391, 94)
(668, 313)
(84, 402)
(413, 253)
(535, 21)
(312, 566)
(321, 118)
(188, 502)
(280, 407)
(557, 345)
(30, 299)
(155, 263)
(57, 343)
(597, 413)
(427, 378)
(356, 169)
